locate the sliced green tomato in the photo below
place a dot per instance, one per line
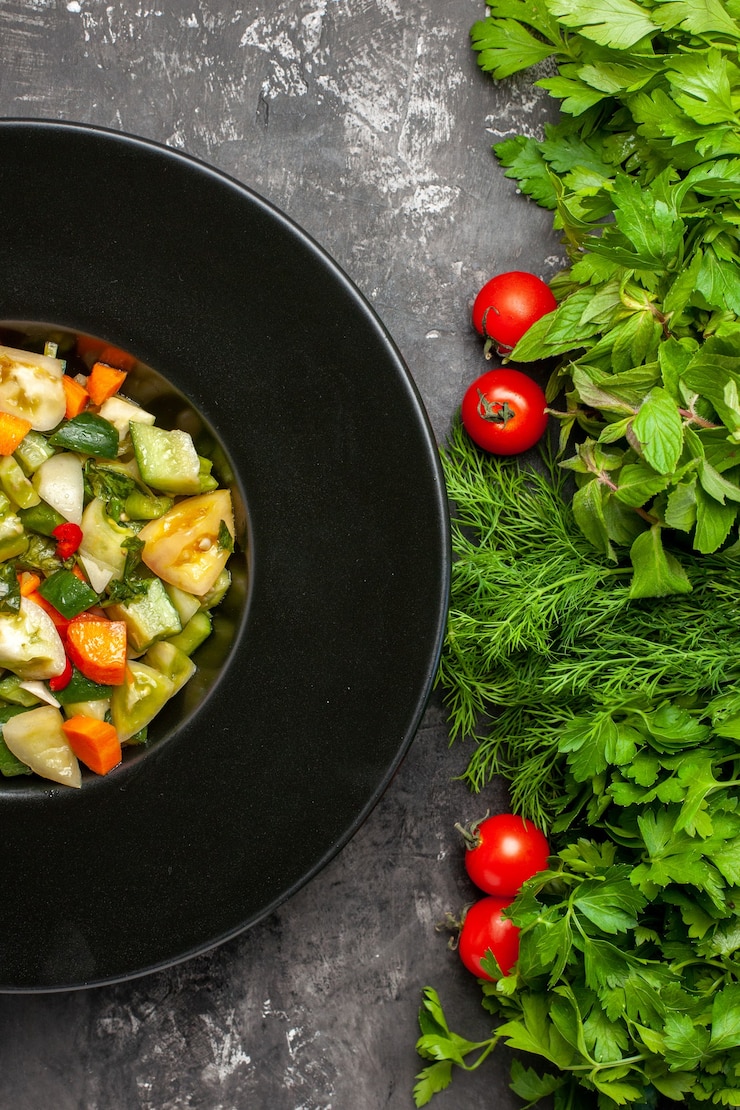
(167, 460)
(31, 387)
(102, 539)
(30, 645)
(171, 662)
(59, 482)
(139, 699)
(182, 547)
(37, 739)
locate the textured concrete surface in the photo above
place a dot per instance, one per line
(369, 124)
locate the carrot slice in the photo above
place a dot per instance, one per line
(12, 430)
(75, 395)
(94, 742)
(97, 647)
(28, 581)
(103, 381)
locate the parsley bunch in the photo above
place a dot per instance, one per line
(642, 172)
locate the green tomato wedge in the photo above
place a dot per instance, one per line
(139, 699)
(37, 739)
(30, 645)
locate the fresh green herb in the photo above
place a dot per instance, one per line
(111, 484)
(10, 593)
(616, 720)
(40, 554)
(225, 539)
(545, 641)
(642, 172)
(590, 643)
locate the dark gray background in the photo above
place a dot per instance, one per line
(368, 123)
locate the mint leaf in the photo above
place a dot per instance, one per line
(659, 429)
(657, 573)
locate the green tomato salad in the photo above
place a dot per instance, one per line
(115, 540)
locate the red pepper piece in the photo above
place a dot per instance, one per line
(68, 537)
(59, 681)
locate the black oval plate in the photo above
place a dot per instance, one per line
(336, 646)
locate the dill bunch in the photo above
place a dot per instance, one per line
(542, 630)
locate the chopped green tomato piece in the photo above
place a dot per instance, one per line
(13, 539)
(172, 662)
(67, 593)
(88, 434)
(32, 451)
(36, 738)
(194, 633)
(139, 699)
(12, 691)
(41, 518)
(167, 460)
(184, 547)
(30, 645)
(81, 689)
(140, 506)
(16, 485)
(59, 482)
(148, 617)
(103, 539)
(31, 387)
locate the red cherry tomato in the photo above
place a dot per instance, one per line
(502, 852)
(484, 927)
(508, 305)
(504, 411)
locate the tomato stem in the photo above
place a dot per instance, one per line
(494, 411)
